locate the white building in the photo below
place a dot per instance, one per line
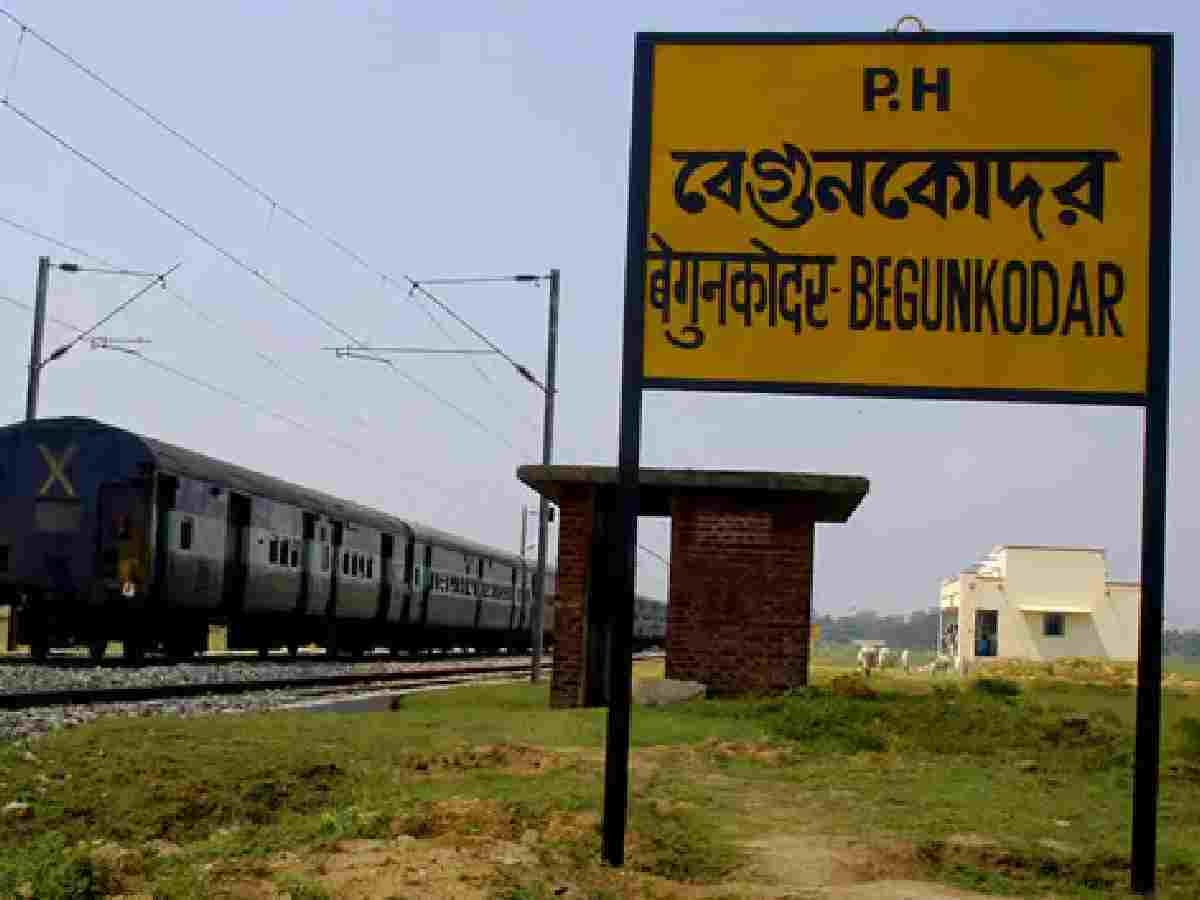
(1039, 603)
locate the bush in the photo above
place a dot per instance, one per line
(1189, 732)
(997, 687)
(49, 870)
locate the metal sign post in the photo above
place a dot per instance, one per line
(876, 215)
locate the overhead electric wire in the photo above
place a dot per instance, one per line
(413, 285)
(243, 401)
(28, 307)
(662, 559)
(160, 279)
(207, 318)
(247, 267)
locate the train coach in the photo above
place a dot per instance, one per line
(108, 535)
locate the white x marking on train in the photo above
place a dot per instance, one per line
(58, 470)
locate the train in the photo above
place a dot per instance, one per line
(110, 535)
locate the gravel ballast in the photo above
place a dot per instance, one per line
(35, 722)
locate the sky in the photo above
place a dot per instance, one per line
(456, 139)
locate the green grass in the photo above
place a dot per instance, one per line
(1187, 667)
(930, 759)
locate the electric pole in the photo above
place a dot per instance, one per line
(39, 326)
(544, 508)
(548, 389)
(36, 363)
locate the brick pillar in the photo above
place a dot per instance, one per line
(576, 510)
(740, 592)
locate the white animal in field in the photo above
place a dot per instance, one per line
(887, 658)
(941, 664)
(905, 662)
(868, 659)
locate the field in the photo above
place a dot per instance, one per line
(920, 788)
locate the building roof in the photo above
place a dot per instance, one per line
(1000, 547)
(833, 497)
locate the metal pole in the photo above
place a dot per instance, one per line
(39, 326)
(622, 578)
(535, 673)
(521, 552)
(1143, 855)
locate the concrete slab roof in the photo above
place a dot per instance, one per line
(833, 497)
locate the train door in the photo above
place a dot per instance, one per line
(410, 549)
(474, 582)
(514, 610)
(387, 549)
(425, 588)
(123, 517)
(335, 573)
(168, 486)
(237, 550)
(308, 561)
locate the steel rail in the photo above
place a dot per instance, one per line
(81, 696)
(82, 661)
(78, 696)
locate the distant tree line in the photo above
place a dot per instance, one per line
(918, 631)
(914, 631)
(1177, 642)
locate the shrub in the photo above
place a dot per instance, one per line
(1189, 732)
(997, 687)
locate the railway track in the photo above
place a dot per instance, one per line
(89, 696)
(81, 661)
(427, 677)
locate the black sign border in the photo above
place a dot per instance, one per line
(621, 577)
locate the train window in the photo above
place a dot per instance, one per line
(186, 529)
(273, 551)
(295, 556)
(325, 558)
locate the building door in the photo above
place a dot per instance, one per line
(986, 632)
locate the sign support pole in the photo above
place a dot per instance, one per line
(1143, 857)
(622, 577)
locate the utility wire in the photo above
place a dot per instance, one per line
(662, 559)
(247, 267)
(236, 398)
(207, 318)
(412, 284)
(28, 307)
(65, 348)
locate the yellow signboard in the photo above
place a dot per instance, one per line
(952, 218)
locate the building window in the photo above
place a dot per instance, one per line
(4, 551)
(370, 568)
(345, 563)
(1054, 624)
(186, 531)
(325, 558)
(295, 556)
(273, 551)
